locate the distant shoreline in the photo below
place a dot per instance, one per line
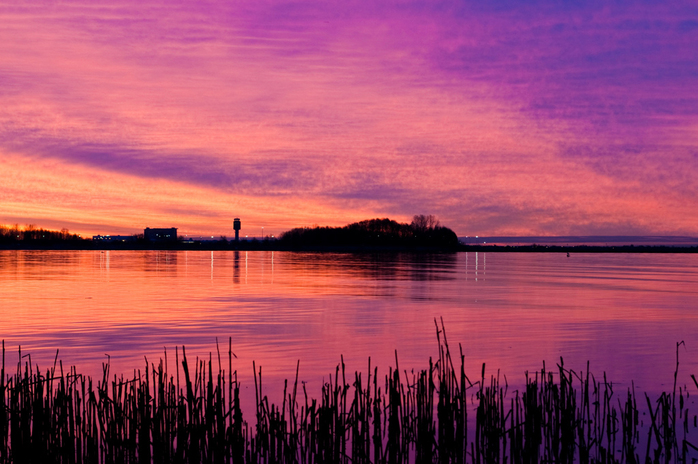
(274, 246)
(581, 248)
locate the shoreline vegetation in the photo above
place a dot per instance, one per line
(422, 232)
(438, 414)
(423, 235)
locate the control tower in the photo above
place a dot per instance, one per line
(236, 227)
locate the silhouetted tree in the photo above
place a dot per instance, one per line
(423, 231)
(30, 233)
(422, 223)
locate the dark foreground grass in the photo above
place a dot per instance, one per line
(194, 416)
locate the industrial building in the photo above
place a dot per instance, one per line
(113, 238)
(160, 235)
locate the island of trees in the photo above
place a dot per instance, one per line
(423, 231)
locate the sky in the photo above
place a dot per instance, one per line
(498, 117)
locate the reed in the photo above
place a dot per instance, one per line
(194, 416)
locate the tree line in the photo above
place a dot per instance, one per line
(423, 231)
(30, 232)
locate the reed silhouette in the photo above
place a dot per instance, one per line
(194, 416)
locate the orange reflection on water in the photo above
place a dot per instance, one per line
(623, 313)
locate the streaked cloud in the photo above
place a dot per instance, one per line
(504, 118)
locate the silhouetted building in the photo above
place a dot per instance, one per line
(160, 235)
(113, 238)
(236, 227)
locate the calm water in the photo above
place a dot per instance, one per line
(623, 313)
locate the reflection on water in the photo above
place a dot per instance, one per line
(624, 313)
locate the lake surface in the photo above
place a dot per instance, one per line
(624, 313)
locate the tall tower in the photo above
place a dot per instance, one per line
(236, 227)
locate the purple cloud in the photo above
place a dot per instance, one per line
(500, 117)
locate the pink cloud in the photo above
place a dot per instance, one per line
(533, 119)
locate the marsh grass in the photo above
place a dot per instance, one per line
(194, 416)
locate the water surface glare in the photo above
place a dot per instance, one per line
(622, 312)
